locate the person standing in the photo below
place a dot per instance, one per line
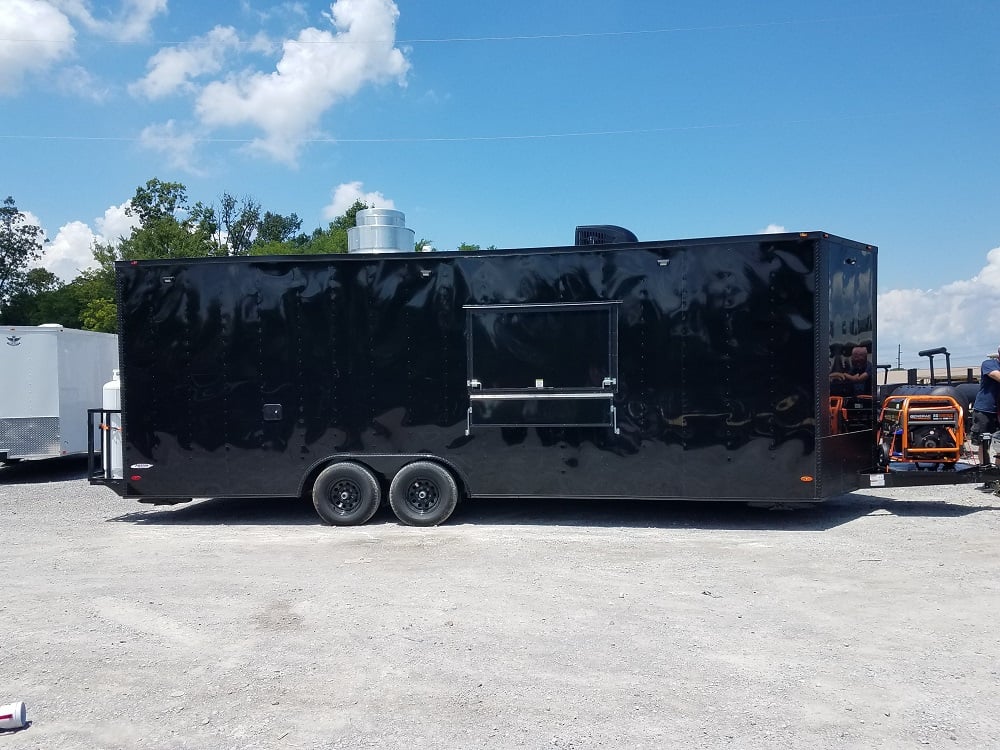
(984, 408)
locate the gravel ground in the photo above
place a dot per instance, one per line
(866, 622)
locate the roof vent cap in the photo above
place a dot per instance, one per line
(603, 234)
(380, 230)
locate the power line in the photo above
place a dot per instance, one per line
(402, 139)
(524, 37)
(505, 137)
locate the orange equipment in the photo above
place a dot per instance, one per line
(920, 429)
(850, 414)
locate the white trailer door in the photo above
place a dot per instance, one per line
(29, 392)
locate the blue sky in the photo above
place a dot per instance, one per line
(509, 123)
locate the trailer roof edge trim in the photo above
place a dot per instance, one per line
(422, 256)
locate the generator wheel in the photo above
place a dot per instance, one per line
(346, 494)
(883, 457)
(423, 494)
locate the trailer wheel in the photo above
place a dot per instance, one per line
(346, 494)
(423, 494)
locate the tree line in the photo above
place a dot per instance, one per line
(169, 226)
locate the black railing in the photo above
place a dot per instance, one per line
(99, 424)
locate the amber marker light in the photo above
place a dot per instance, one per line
(806, 479)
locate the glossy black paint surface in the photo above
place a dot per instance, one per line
(850, 299)
(700, 367)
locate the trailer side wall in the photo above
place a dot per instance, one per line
(242, 376)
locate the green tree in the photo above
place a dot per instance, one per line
(277, 228)
(86, 302)
(465, 247)
(58, 305)
(203, 222)
(276, 248)
(96, 289)
(333, 239)
(349, 218)
(168, 228)
(240, 218)
(100, 315)
(94, 292)
(157, 200)
(40, 280)
(23, 306)
(20, 243)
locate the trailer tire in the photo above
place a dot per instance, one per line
(346, 494)
(423, 494)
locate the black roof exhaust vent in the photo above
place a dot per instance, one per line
(603, 234)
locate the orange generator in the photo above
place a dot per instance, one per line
(921, 429)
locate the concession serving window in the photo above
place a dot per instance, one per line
(542, 365)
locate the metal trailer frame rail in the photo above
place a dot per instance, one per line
(961, 473)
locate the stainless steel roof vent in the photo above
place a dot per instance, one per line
(380, 230)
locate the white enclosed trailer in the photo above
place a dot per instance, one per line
(49, 376)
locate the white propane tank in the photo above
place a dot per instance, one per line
(112, 458)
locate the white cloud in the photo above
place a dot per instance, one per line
(116, 224)
(175, 143)
(36, 37)
(133, 21)
(773, 229)
(172, 68)
(29, 219)
(276, 11)
(78, 82)
(262, 44)
(316, 71)
(71, 250)
(958, 315)
(346, 194)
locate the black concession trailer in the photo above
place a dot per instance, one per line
(689, 369)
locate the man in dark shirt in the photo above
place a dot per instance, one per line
(984, 408)
(858, 378)
(862, 370)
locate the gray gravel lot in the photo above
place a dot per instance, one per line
(867, 622)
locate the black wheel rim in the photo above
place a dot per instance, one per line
(345, 496)
(422, 495)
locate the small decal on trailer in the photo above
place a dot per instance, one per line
(13, 341)
(876, 480)
(141, 466)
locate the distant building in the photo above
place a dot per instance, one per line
(963, 372)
